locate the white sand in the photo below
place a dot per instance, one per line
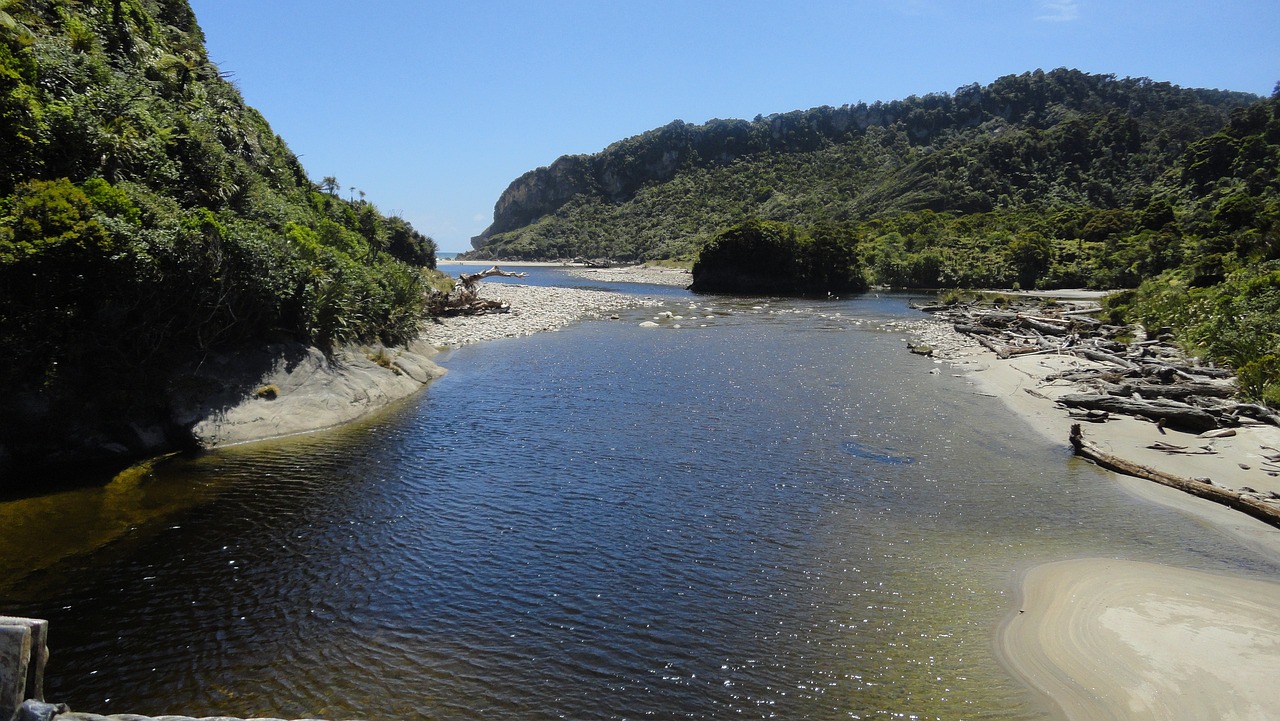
(1128, 640)
(1111, 639)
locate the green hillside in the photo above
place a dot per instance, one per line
(1052, 159)
(1039, 180)
(148, 216)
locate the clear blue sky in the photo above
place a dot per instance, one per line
(432, 108)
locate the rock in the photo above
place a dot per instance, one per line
(313, 391)
(33, 710)
(534, 309)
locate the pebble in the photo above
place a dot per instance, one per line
(534, 309)
(677, 277)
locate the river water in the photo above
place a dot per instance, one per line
(775, 512)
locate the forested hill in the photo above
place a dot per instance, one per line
(148, 216)
(1048, 140)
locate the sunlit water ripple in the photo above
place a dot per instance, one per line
(781, 514)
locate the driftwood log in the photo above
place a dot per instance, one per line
(1147, 377)
(470, 281)
(465, 298)
(1171, 413)
(1240, 501)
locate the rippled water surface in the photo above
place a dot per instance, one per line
(780, 514)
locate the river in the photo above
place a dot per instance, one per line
(773, 512)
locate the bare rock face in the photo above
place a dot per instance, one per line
(302, 390)
(616, 173)
(537, 193)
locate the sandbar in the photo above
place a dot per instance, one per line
(1111, 639)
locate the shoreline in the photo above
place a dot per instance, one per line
(312, 392)
(534, 309)
(1021, 384)
(1112, 638)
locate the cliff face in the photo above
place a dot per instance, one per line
(531, 195)
(615, 174)
(619, 171)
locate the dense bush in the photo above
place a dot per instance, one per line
(1235, 322)
(761, 256)
(147, 214)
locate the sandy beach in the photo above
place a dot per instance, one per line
(1117, 639)
(1110, 639)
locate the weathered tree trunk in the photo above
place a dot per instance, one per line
(1173, 414)
(465, 298)
(1244, 502)
(470, 281)
(1042, 325)
(1180, 391)
(1256, 412)
(1102, 357)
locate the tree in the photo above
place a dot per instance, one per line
(764, 256)
(833, 263)
(1031, 253)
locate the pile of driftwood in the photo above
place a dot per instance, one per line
(1143, 376)
(464, 298)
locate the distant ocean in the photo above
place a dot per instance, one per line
(447, 256)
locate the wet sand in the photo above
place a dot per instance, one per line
(1117, 639)
(1107, 639)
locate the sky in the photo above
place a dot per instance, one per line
(432, 108)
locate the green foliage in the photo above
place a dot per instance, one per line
(48, 219)
(761, 256)
(1235, 322)
(146, 213)
(1036, 143)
